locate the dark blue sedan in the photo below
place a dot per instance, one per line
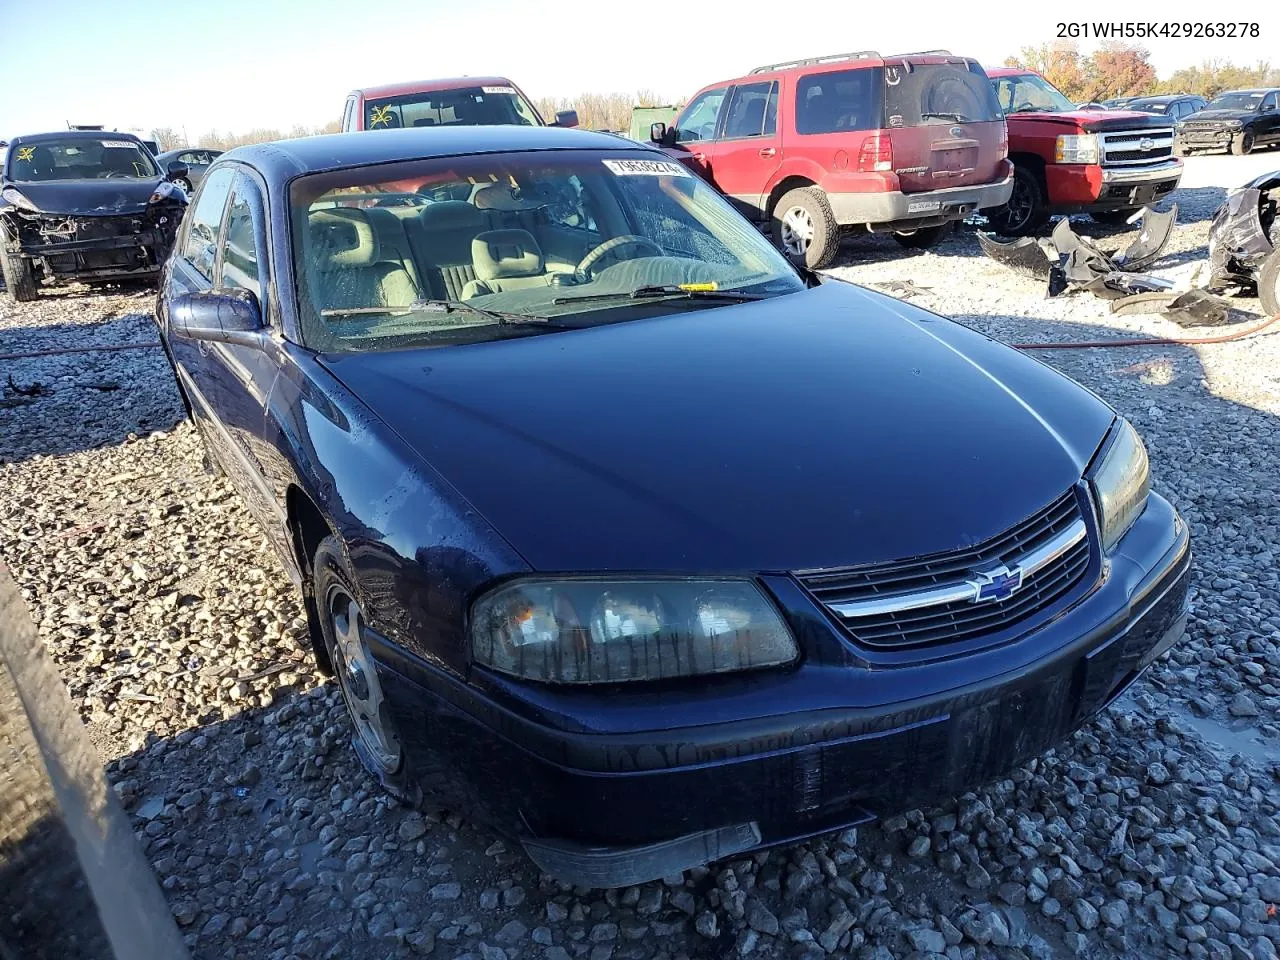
(623, 535)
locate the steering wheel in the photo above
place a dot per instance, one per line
(1024, 105)
(582, 272)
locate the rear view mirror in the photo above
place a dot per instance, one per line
(232, 316)
(658, 132)
(566, 118)
(177, 170)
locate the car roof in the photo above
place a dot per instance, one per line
(430, 86)
(1008, 71)
(1160, 98)
(75, 135)
(1223, 93)
(289, 158)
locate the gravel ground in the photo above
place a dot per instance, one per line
(1153, 832)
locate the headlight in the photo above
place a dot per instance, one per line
(1121, 481)
(168, 191)
(1234, 124)
(1078, 149)
(614, 631)
(13, 196)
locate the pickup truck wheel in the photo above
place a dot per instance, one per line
(1025, 211)
(19, 278)
(804, 226)
(1242, 144)
(1269, 285)
(925, 237)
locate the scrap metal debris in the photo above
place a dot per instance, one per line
(1244, 235)
(33, 389)
(1190, 308)
(902, 289)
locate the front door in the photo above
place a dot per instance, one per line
(749, 149)
(696, 130)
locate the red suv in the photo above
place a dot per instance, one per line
(903, 144)
(468, 101)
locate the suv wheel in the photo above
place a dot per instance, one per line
(925, 237)
(1242, 144)
(804, 226)
(1025, 210)
(19, 277)
(1269, 285)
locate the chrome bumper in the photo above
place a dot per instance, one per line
(1161, 171)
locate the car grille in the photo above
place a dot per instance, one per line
(1126, 148)
(933, 600)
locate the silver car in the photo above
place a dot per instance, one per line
(197, 160)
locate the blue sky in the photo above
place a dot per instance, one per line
(239, 64)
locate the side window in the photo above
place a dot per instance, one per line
(698, 120)
(187, 158)
(1270, 102)
(749, 114)
(201, 245)
(838, 101)
(240, 267)
(570, 208)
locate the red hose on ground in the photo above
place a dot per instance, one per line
(1149, 341)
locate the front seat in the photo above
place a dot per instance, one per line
(348, 267)
(441, 239)
(505, 260)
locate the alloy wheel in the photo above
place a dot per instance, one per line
(1019, 208)
(358, 677)
(797, 230)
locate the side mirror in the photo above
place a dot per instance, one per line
(177, 170)
(658, 132)
(232, 316)
(1268, 107)
(566, 118)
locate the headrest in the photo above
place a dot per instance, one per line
(503, 196)
(425, 122)
(450, 215)
(342, 238)
(496, 254)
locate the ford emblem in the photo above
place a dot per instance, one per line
(957, 131)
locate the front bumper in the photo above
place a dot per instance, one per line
(893, 210)
(1217, 138)
(1082, 188)
(609, 809)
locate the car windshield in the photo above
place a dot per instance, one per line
(1030, 93)
(452, 250)
(1148, 106)
(460, 106)
(1236, 101)
(81, 158)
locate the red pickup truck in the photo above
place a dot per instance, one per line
(1107, 163)
(457, 101)
(903, 144)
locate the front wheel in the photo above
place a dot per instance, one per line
(19, 277)
(1242, 144)
(1269, 285)
(1025, 211)
(925, 237)
(343, 625)
(804, 227)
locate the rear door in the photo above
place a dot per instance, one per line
(748, 150)
(696, 130)
(943, 120)
(1270, 118)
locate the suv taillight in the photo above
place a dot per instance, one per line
(1003, 145)
(876, 153)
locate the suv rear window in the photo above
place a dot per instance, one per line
(839, 100)
(923, 93)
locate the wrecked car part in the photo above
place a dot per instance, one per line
(1153, 237)
(1190, 308)
(902, 289)
(1149, 341)
(1057, 281)
(1269, 284)
(1116, 284)
(1244, 232)
(1024, 255)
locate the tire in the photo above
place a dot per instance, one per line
(803, 225)
(185, 184)
(1025, 212)
(1242, 145)
(19, 278)
(925, 237)
(374, 735)
(1113, 218)
(1269, 285)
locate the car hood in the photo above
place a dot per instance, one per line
(1098, 121)
(1220, 115)
(90, 198)
(834, 426)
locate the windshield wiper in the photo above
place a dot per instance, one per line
(439, 306)
(659, 291)
(957, 117)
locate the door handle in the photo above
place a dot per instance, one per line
(767, 152)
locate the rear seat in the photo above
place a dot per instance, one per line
(440, 238)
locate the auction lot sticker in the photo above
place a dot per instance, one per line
(646, 168)
(510, 90)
